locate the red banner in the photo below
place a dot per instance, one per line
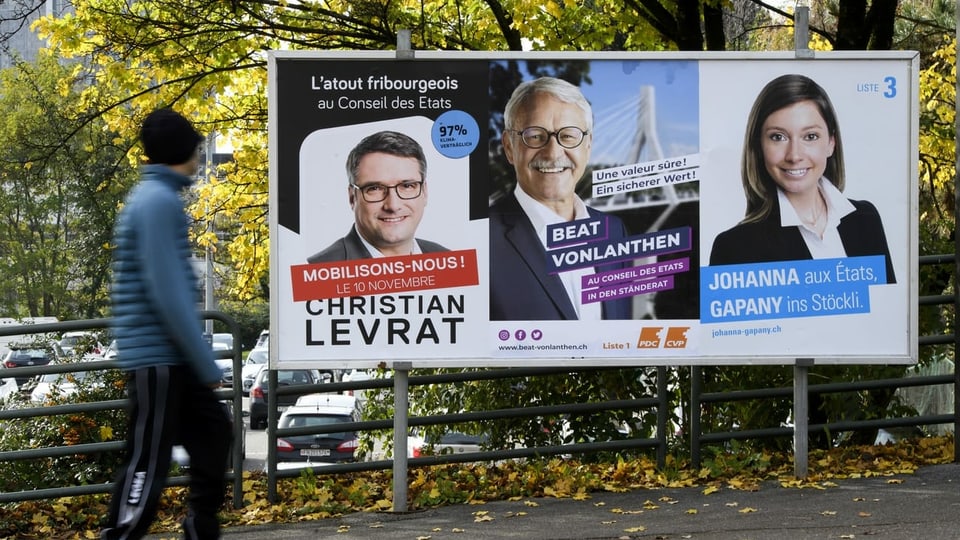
(385, 275)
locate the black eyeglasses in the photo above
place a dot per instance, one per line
(538, 137)
(409, 189)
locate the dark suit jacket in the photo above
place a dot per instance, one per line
(521, 289)
(766, 241)
(350, 247)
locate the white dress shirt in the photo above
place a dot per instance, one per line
(541, 216)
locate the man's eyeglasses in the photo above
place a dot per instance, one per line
(538, 137)
(410, 189)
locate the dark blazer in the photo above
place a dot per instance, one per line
(521, 288)
(766, 241)
(350, 247)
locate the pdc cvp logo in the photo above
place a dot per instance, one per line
(652, 337)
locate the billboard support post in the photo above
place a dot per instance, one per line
(801, 415)
(401, 372)
(801, 32)
(401, 385)
(801, 367)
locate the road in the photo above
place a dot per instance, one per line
(256, 459)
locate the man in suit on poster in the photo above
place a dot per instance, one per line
(547, 139)
(387, 190)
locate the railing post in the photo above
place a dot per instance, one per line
(272, 417)
(696, 388)
(801, 416)
(662, 415)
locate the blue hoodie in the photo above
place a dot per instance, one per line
(155, 316)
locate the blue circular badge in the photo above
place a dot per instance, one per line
(455, 134)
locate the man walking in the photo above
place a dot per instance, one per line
(170, 368)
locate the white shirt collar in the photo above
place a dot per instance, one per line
(541, 216)
(838, 206)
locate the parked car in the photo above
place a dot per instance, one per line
(256, 360)
(66, 384)
(8, 387)
(451, 442)
(357, 375)
(226, 370)
(263, 340)
(30, 355)
(75, 342)
(285, 377)
(315, 410)
(222, 341)
(111, 350)
(219, 342)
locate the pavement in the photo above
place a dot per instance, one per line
(923, 505)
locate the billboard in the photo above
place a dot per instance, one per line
(517, 209)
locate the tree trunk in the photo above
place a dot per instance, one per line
(689, 37)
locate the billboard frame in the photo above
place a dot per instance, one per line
(910, 281)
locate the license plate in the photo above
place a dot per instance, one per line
(315, 452)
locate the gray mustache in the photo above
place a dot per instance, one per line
(551, 164)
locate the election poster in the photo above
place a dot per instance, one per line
(518, 209)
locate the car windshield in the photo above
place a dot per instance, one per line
(315, 420)
(297, 376)
(257, 356)
(28, 354)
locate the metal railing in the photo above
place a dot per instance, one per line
(660, 404)
(234, 476)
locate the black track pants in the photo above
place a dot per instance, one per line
(168, 406)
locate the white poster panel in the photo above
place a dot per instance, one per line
(839, 303)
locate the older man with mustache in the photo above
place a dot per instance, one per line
(547, 138)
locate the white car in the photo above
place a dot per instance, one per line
(256, 360)
(356, 375)
(8, 387)
(70, 340)
(263, 340)
(66, 384)
(451, 442)
(222, 341)
(111, 350)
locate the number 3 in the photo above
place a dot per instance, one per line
(891, 87)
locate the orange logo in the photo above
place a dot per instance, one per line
(676, 337)
(649, 337)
